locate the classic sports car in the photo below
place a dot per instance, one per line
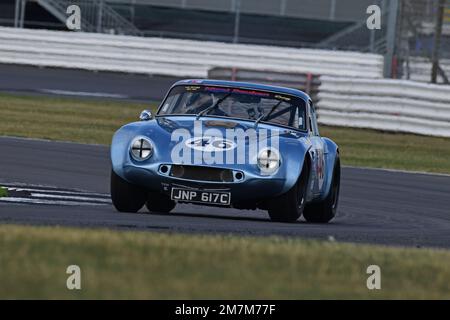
(231, 144)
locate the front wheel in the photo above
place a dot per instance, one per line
(125, 196)
(324, 211)
(289, 206)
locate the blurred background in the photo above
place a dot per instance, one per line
(408, 27)
(381, 78)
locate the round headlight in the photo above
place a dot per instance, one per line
(269, 160)
(141, 149)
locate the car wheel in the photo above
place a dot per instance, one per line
(125, 196)
(158, 202)
(289, 206)
(324, 211)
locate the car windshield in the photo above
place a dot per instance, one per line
(249, 104)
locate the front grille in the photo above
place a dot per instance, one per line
(201, 173)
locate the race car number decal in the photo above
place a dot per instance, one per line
(210, 144)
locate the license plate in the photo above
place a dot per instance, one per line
(189, 195)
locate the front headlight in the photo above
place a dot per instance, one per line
(269, 160)
(141, 149)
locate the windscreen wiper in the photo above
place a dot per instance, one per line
(212, 106)
(264, 117)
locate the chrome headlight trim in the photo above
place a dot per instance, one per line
(269, 160)
(141, 148)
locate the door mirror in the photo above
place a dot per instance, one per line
(146, 115)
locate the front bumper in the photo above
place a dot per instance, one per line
(251, 188)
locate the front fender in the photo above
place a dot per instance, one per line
(119, 149)
(120, 145)
(294, 154)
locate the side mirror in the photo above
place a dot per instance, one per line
(146, 115)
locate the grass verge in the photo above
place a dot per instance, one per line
(3, 192)
(77, 120)
(370, 148)
(90, 121)
(139, 265)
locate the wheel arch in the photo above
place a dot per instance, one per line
(295, 165)
(331, 154)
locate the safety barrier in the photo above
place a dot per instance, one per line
(391, 105)
(174, 57)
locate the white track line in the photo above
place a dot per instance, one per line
(43, 201)
(51, 196)
(84, 93)
(58, 192)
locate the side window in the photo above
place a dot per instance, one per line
(313, 119)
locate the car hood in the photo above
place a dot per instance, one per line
(169, 133)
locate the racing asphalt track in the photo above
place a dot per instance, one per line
(82, 83)
(376, 206)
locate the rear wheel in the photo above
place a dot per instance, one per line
(289, 206)
(125, 196)
(158, 202)
(324, 211)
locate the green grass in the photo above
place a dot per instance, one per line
(370, 148)
(90, 121)
(78, 120)
(115, 264)
(3, 192)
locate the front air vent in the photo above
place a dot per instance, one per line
(200, 173)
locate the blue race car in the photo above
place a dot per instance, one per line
(230, 144)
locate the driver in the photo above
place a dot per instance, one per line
(198, 102)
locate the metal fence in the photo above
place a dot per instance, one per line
(339, 10)
(118, 16)
(423, 37)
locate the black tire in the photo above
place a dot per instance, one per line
(289, 206)
(324, 211)
(158, 202)
(125, 196)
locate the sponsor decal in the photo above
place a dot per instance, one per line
(252, 92)
(217, 89)
(282, 98)
(192, 88)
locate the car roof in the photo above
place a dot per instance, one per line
(245, 85)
